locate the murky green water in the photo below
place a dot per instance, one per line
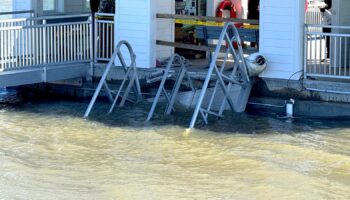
(47, 151)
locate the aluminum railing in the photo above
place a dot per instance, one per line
(15, 14)
(104, 36)
(45, 41)
(327, 54)
(313, 15)
(16, 22)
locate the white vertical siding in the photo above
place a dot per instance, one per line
(136, 23)
(164, 28)
(19, 5)
(281, 37)
(133, 24)
(341, 12)
(6, 6)
(341, 17)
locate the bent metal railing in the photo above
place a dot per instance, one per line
(45, 41)
(327, 52)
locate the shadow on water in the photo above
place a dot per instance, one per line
(134, 116)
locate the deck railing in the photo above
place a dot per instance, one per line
(45, 41)
(104, 36)
(313, 16)
(327, 52)
(17, 14)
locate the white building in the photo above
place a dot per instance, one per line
(283, 40)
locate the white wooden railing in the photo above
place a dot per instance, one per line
(45, 41)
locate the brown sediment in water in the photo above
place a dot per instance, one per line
(48, 151)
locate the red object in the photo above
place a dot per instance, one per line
(226, 5)
(306, 5)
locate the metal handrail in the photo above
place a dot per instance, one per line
(17, 12)
(326, 26)
(60, 16)
(45, 18)
(43, 25)
(105, 14)
(328, 34)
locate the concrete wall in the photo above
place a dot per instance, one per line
(281, 37)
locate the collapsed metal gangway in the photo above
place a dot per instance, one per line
(177, 69)
(233, 71)
(226, 85)
(130, 80)
(238, 75)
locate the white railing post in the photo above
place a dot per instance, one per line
(95, 38)
(44, 42)
(1, 50)
(104, 36)
(306, 43)
(91, 56)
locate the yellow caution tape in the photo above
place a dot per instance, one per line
(211, 23)
(249, 26)
(105, 17)
(199, 23)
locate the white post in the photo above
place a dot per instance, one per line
(282, 37)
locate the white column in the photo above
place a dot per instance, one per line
(136, 23)
(133, 24)
(281, 37)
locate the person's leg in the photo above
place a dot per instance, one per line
(328, 41)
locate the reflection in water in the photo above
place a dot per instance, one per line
(47, 151)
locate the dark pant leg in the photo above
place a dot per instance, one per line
(328, 41)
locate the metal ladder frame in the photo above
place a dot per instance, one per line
(180, 75)
(131, 75)
(239, 67)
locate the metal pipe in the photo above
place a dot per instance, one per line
(328, 91)
(268, 105)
